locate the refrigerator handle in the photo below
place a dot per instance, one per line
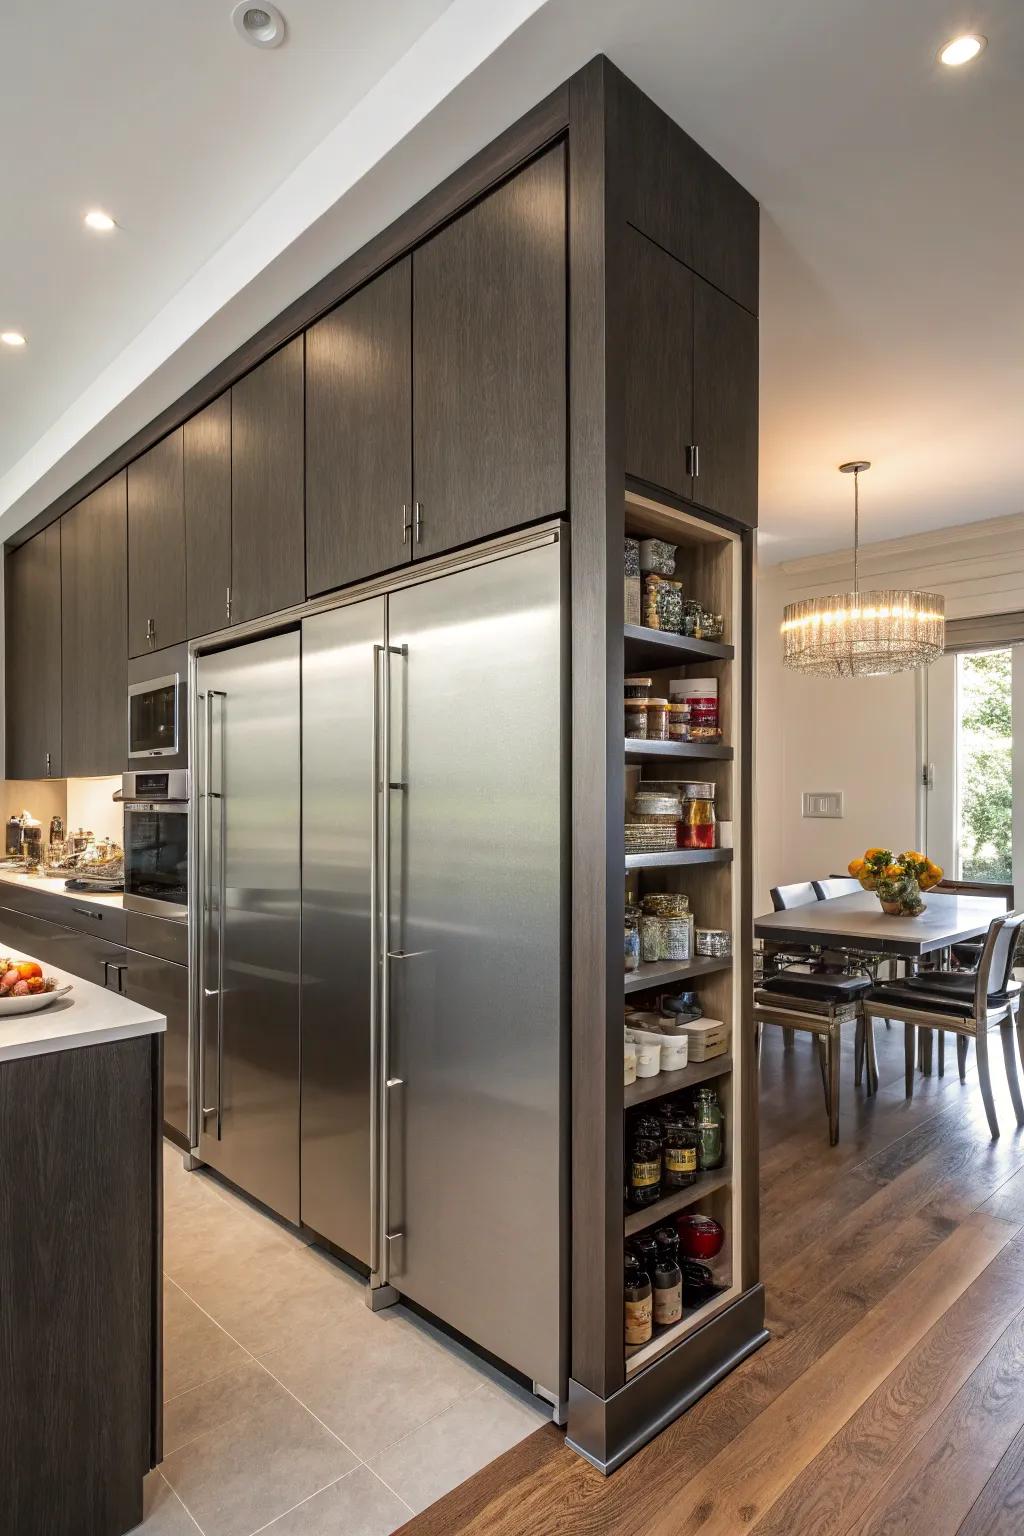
(206, 886)
(221, 904)
(375, 974)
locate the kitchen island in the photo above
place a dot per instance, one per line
(80, 1234)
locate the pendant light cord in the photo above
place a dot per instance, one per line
(856, 533)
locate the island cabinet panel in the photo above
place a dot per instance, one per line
(489, 363)
(725, 378)
(79, 1230)
(268, 566)
(659, 380)
(94, 625)
(156, 548)
(163, 986)
(207, 482)
(33, 688)
(359, 434)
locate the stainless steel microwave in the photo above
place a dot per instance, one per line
(155, 717)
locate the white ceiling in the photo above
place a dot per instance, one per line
(891, 190)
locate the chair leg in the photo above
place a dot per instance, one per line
(942, 1053)
(985, 1079)
(961, 1056)
(858, 1053)
(758, 1034)
(909, 1052)
(833, 1053)
(823, 1064)
(869, 1042)
(1006, 1034)
(787, 1038)
(927, 1051)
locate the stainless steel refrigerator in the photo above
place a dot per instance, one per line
(432, 1140)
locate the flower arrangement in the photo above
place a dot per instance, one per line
(897, 879)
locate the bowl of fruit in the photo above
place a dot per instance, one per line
(24, 988)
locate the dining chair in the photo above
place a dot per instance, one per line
(970, 1004)
(785, 897)
(819, 1004)
(836, 885)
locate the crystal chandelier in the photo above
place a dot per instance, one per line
(863, 634)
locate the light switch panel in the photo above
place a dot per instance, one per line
(823, 802)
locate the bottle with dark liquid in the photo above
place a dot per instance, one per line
(668, 1278)
(645, 1162)
(638, 1317)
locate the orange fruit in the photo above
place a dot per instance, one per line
(27, 968)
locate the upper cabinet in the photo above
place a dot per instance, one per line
(33, 740)
(207, 475)
(94, 626)
(690, 385)
(156, 548)
(359, 434)
(268, 566)
(489, 363)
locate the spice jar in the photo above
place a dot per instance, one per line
(701, 693)
(638, 1308)
(678, 1151)
(657, 719)
(631, 939)
(637, 687)
(710, 1127)
(636, 719)
(697, 827)
(678, 721)
(645, 1162)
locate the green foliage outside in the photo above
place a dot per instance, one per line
(985, 766)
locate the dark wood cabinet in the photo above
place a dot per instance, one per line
(268, 564)
(163, 986)
(156, 548)
(489, 363)
(659, 381)
(725, 405)
(94, 624)
(207, 490)
(33, 694)
(359, 434)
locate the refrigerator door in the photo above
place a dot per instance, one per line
(249, 835)
(475, 1052)
(341, 655)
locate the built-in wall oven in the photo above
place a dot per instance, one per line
(156, 841)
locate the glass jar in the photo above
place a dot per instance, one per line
(672, 607)
(710, 1129)
(631, 942)
(692, 621)
(636, 719)
(666, 903)
(697, 827)
(657, 719)
(637, 687)
(678, 722)
(716, 943)
(645, 1162)
(676, 938)
(657, 555)
(650, 938)
(678, 1151)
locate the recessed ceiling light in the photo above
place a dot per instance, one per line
(261, 25)
(98, 220)
(12, 338)
(961, 50)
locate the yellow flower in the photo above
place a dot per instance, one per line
(913, 858)
(854, 868)
(892, 872)
(872, 853)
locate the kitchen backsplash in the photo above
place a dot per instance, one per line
(84, 803)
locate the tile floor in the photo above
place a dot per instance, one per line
(291, 1408)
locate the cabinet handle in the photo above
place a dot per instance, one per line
(417, 517)
(227, 603)
(406, 525)
(150, 631)
(693, 459)
(47, 765)
(97, 917)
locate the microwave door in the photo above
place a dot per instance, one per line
(153, 718)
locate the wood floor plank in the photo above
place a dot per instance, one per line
(999, 1508)
(835, 1489)
(932, 1491)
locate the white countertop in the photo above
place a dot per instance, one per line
(54, 886)
(88, 1015)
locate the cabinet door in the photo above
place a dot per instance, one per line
(725, 405)
(659, 365)
(207, 456)
(159, 985)
(359, 434)
(94, 625)
(33, 657)
(156, 548)
(268, 565)
(489, 363)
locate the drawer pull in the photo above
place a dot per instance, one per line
(84, 912)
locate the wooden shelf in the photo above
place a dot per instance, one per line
(647, 1088)
(654, 648)
(678, 858)
(707, 1183)
(662, 973)
(660, 751)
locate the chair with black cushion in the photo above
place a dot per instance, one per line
(836, 885)
(784, 897)
(819, 1004)
(971, 1004)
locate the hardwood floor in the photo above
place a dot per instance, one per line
(890, 1398)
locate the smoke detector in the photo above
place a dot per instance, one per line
(261, 25)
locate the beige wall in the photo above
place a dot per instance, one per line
(80, 802)
(858, 735)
